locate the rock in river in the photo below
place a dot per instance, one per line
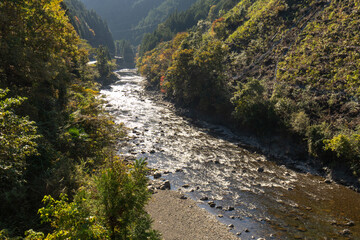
(157, 175)
(345, 232)
(211, 204)
(165, 185)
(204, 198)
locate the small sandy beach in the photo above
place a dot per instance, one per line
(182, 219)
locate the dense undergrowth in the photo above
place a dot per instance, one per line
(56, 141)
(279, 66)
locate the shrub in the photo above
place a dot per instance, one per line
(346, 147)
(122, 192)
(17, 141)
(300, 122)
(252, 108)
(71, 220)
(109, 206)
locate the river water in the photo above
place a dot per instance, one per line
(202, 159)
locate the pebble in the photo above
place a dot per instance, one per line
(230, 209)
(238, 233)
(260, 169)
(204, 198)
(219, 207)
(345, 232)
(246, 230)
(152, 151)
(349, 224)
(220, 216)
(328, 181)
(301, 229)
(232, 217)
(185, 185)
(295, 205)
(165, 185)
(179, 170)
(183, 197)
(231, 225)
(211, 204)
(157, 175)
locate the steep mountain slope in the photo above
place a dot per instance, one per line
(160, 13)
(284, 65)
(181, 21)
(89, 25)
(130, 19)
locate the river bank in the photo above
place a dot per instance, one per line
(179, 218)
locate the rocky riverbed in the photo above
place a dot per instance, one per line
(257, 196)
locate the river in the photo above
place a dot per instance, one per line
(259, 197)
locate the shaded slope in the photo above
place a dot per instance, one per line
(89, 25)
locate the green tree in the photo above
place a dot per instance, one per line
(39, 55)
(71, 220)
(17, 142)
(125, 50)
(18, 137)
(111, 207)
(103, 58)
(252, 108)
(123, 195)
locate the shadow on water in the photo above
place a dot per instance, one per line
(259, 195)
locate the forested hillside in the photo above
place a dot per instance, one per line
(182, 21)
(160, 13)
(89, 25)
(129, 19)
(277, 67)
(60, 177)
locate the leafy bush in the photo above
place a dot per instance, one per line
(71, 220)
(109, 206)
(17, 141)
(300, 122)
(103, 58)
(122, 195)
(346, 147)
(252, 108)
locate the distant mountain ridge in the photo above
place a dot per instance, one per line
(130, 19)
(89, 25)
